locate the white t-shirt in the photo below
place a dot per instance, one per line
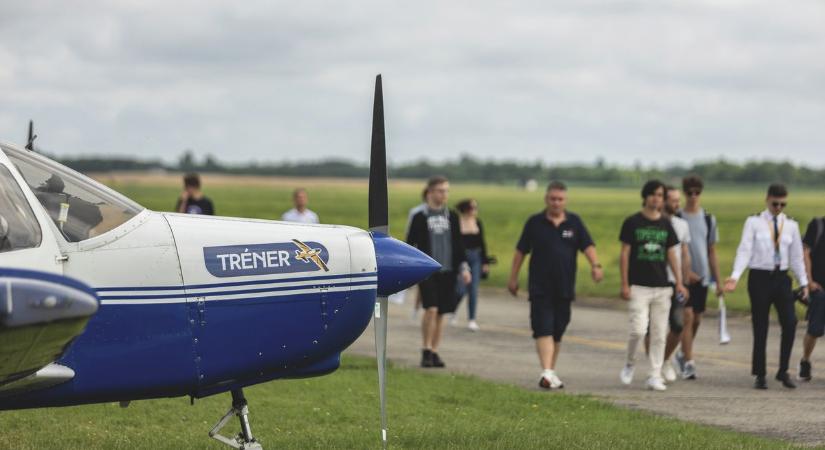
(682, 229)
(293, 215)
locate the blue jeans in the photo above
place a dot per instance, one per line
(474, 260)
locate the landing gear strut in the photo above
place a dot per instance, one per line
(244, 440)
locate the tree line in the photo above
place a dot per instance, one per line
(469, 168)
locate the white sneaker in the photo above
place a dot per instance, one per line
(473, 326)
(690, 370)
(656, 384)
(549, 380)
(627, 374)
(555, 381)
(668, 373)
(397, 298)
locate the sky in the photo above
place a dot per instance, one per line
(652, 82)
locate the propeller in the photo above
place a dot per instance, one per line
(32, 136)
(379, 223)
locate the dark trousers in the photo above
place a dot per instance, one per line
(766, 288)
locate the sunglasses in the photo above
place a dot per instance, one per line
(779, 204)
(694, 193)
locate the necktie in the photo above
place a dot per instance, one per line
(777, 261)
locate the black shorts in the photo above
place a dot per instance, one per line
(438, 291)
(816, 314)
(698, 297)
(676, 319)
(549, 317)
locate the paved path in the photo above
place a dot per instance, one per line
(593, 355)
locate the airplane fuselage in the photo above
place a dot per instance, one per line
(168, 326)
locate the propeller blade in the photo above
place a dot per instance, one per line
(378, 199)
(381, 357)
(379, 222)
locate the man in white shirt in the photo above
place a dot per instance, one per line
(673, 199)
(771, 244)
(300, 213)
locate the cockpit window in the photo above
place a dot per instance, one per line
(80, 207)
(18, 226)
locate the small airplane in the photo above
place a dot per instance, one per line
(183, 305)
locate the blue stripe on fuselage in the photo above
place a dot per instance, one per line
(241, 291)
(235, 283)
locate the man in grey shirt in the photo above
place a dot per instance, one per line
(704, 270)
(436, 232)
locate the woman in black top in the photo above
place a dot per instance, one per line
(472, 235)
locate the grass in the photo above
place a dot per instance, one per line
(503, 209)
(339, 411)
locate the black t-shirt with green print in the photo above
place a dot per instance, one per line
(649, 242)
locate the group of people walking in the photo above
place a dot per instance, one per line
(668, 263)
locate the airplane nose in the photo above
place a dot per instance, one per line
(399, 265)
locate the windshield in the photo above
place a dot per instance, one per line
(18, 227)
(80, 207)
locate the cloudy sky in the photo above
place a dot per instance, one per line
(650, 81)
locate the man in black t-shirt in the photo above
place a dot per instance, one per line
(814, 251)
(648, 246)
(554, 236)
(192, 200)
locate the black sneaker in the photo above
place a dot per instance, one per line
(786, 380)
(805, 370)
(426, 358)
(437, 362)
(760, 383)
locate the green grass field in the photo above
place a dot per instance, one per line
(503, 210)
(340, 411)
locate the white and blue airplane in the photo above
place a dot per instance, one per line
(180, 305)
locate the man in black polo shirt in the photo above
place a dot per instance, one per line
(555, 236)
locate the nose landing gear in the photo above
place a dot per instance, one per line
(244, 440)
